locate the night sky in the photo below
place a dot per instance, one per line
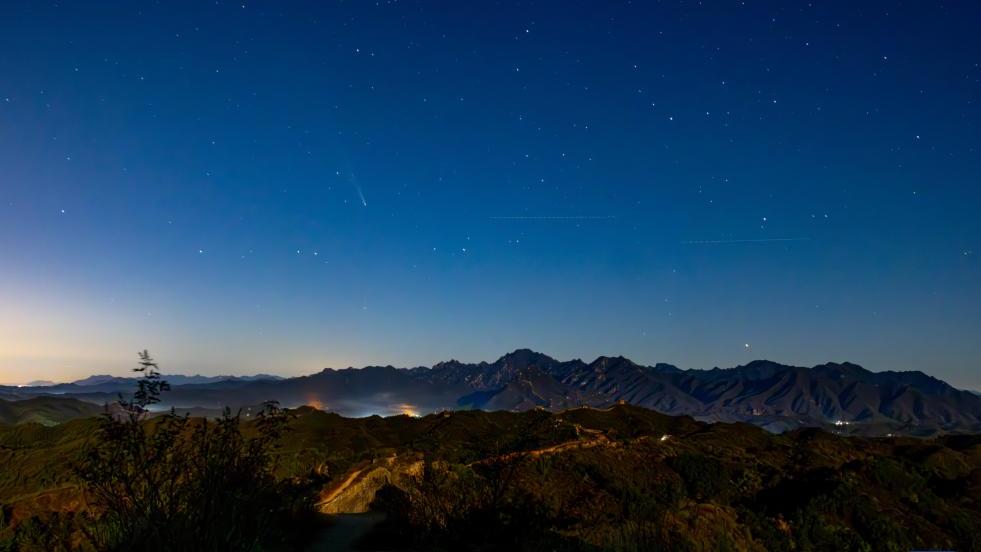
(284, 186)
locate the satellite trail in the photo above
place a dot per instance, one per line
(607, 217)
(757, 240)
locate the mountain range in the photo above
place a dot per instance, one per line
(842, 397)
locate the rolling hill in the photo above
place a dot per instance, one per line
(46, 410)
(621, 478)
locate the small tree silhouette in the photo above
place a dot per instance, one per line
(168, 482)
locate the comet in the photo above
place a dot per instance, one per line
(357, 188)
(360, 194)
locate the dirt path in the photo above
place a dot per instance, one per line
(340, 488)
(596, 438)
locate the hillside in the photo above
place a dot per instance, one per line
(45, 410)
(585, 479)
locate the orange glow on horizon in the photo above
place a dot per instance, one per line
(408, 410)
(315, 402)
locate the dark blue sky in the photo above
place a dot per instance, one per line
(279, 187)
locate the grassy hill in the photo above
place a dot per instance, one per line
(624, 478)
(45, 410)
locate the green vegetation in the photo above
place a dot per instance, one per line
(44, 410)
(619, 479)
(723, 487)
(174, 484)
(171, 483)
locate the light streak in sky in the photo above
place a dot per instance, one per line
(756, 240)
(592, 217)
(357, 187)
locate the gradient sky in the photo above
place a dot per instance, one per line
(284, 186)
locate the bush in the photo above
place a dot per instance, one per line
(172, 483)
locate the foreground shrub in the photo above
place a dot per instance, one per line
(172, 483)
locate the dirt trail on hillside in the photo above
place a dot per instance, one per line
(357, 490)
(340, 488)
(594, 438)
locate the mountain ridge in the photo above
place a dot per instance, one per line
(841, 396)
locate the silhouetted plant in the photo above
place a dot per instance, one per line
(172, 483)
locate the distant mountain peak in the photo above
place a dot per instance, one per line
(608, 362)
(525, 357)
(843, 369)
(98, 380)
(448, 363)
